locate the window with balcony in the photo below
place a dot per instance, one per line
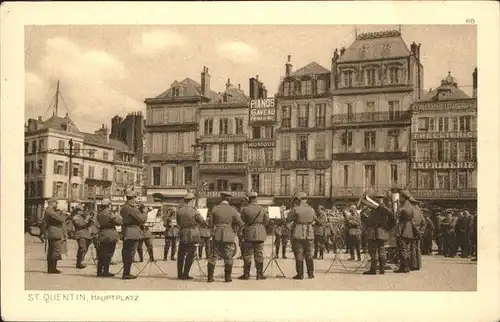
(306, 87)
(268, 132)
(267, 184)
(319, 183)
(370, 77)
(394, 111)
(462, 179)
(370, 108)
(41, 145)
(269, 157)
(320, 146)
(302, 180)
(104, 174)
(303, 117)
(208, 127)
(76, 148)
(59, 189)
(105, 156)
(285, 147)
(346, 140)
(188, 175)
(222, 152)
(288, 88)
(285, 188)
(465, 123)
(443, 181)
(207, 153)
(239, 125)
(320, 86)
(302, 147)
(320, 113)
(346, 175)
(156, 176)
(393, 75)
(256, 132)
(394, 174)
(348, 78)
(370, 138)
(61, 145)
(75, 172)
(286, 116)
(369, 175)
(255, 180)
(350, 112)
(91, 172)
(39, 166)
(224, 126)
(237, 187)
(222, 185)
(393, 141)
(92, 154)
(238, 153)
(58, 167)
(424, 180)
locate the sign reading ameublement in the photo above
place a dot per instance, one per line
(262, 110)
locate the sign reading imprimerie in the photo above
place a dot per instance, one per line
(262, 110)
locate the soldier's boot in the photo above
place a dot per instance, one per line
(315, 253)
(260, 271)
(141, 255)
(54, 265)
(165, 253)
(321, 253)
(246, 271)
(283, 252)
(373, 268)
(299, 267)
(105, 269)
(210, 272)
(187, 268)
(228, 269)
(174, 250)
(100, 268)
(381, 268)
(200, 251)
(406, 266)
(277, 252)
(151, 255)
(50, 266)
(310, 268)
(79, 262)
(180, 266)
(358, 253)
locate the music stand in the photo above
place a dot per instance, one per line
(274, 213)
(150, 264)
(91, 248)
(197, 260)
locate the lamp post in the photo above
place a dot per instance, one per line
(197, 150)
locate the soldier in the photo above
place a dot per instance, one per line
(131, 231)
(107, 238)
(204, 241)
(238, 229)
(321, 233)
(82, 222)
(303, 217)
(171, 234)
(222, 218)
(353, 220)
(439, 232)
(147, 238)
(254, 234)
(404, 231)
(428, 233)
(377, 223)
(418, 224)
(474, 237)
(462, 231)
(189, 220)
(53, 221)
(282, 236)
(448, 226)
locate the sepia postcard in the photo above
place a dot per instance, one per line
(304, 160)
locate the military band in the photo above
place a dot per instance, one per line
(376, 219)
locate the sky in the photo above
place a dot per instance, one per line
(110, 70)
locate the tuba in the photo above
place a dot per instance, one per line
(367, 201)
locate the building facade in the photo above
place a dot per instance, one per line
(374, 82)
(170, 132)
(444, 144)
(304, 136)
(130, 131)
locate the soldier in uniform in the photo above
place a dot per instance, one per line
(418, 224)
(254, 234)
(147, 238)
(302, 216)
(462, 231)
(404, 231)
(53, 221)
(439, 233)
(171, 234)
(107, 238)
(353, 220)
(321, 233)
(189, 220)
(238, 229)
(133, 219)
(448, 226)
(377, 223)
(82, 222)
(428, 233)
(282, 236)
(474, 237)
(221, 218)
(204, 241)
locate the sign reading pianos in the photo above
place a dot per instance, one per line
(262, 111)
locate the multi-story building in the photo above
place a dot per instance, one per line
(303, 151)
(223, 137)
(261, 142)
(374, 82)
(130, 131)
(170, 132)
(444, 144)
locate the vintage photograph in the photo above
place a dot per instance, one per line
(251, 157)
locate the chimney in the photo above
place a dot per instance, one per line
(103, 132)
(474, 83)
(66, 116)
(257, 77)
(40, 118)
(288, 66)
(205, 82)
(228, 84)
(239, 87)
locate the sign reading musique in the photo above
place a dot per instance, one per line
(262, 144)
(444, 165)
(262, 110)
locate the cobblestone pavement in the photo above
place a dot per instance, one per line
(437, 274)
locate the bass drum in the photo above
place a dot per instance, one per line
(233, 251)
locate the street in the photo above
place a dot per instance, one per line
(437, 274)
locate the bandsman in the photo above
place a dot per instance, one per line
(439, 231)
(189, 220)
(462, 231)
(171, 234)
(222, 217)
(147, 238)
(474, 237)
(321, 233)
(133, 219)
(353, 221)
(254, 233)
(449, 236)
(281, 238)
(53, 221)
(418, 224)
(302, 216)
(428, 233)
(107, 238)
(205, 236)
(404, 231)
(82, 222)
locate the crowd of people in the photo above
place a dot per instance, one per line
(372, 225)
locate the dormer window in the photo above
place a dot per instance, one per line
(348, 77)
(364, 51)
(288, 88)
(306, 87)
(176, 92)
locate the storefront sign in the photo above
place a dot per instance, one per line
(262, 110)
(217, 193)
(222, 166)
(261, 169)
(262, 144)
(442, 106)
(444, 135)
(123, 198)
(224, 138)
(287, 165)
(444, 165)
(435, 193)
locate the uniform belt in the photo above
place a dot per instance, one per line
(222, 225)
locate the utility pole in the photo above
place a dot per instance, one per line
(57, 99)
(197, 152)
(70, 190)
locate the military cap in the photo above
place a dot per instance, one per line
(106, 202)
(377, 196)
(131, 194)
(225, 194)
(301, 195)
(405, 193)
(252, 194)
(189, 196)
(52, 200)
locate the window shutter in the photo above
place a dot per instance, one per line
(65, 190)
(54, 189)
(65, 168)
(55, 167)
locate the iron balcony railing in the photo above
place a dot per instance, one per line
(371, 117)
(349, 191)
